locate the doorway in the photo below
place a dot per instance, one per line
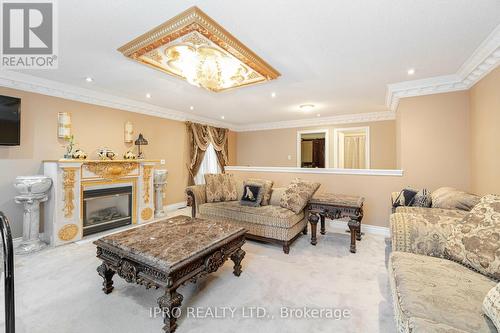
(351, 147)
(312, 149)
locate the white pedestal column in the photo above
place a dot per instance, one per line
(31, 223)
(160, 181)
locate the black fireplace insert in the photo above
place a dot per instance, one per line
(106, 208)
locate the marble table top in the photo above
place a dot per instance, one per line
(337, 200)
(168, 243)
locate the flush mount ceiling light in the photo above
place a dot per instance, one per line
(411, 71)
(194, 47)
(306, 107)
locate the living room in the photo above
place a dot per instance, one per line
(236, 166)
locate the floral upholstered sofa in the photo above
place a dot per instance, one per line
(272, 222)
(445, 267)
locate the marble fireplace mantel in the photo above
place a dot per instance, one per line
(63, 215)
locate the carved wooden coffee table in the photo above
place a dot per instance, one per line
(336, 206)
(169, 253)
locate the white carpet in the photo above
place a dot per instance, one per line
(58, 290)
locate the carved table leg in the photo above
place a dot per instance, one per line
(107, 275)
(353, 227)
(313, 219)
(170, 304)
(322, 230)
(359, 233)
(237, 257)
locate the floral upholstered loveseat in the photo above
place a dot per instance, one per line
(444, 268)
(269, 223)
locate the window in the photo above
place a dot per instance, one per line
(208, 165)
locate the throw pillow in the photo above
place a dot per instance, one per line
(252, 194)
(451, 198)
(298, 194)
(276, 195)
(422, 199)
(475, 241)
(213, 187)
(405, 197)
(491, 305)
(267, 189)
(229, 187)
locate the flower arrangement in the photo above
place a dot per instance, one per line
(70, 144)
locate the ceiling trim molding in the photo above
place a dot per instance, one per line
(30, 83)
(484, 59)
(320, 121)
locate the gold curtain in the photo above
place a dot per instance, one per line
(354, 152)
(200, 137)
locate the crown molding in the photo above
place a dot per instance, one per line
(484, 59)
(30, 83)
(34, 84)
(320, 121)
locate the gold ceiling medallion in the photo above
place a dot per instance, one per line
(194, 47)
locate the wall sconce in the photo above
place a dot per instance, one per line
(63, 124)
(128, 134)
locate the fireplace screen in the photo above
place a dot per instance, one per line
(107, 208)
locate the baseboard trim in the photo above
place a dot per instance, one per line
(175, 206)
(366, 228)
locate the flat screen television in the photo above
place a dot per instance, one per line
(10, 121)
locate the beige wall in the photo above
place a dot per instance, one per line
(432, 135)
(434, 140)
(93, 127)
(273, 147)
(485, 134)
(232, 139)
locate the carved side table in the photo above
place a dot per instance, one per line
(336, 206)
(167, 254)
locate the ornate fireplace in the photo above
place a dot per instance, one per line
(90, 196)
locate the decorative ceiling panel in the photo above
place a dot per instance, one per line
(194, 47)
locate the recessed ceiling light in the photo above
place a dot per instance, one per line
(411, 71)
(89, 79)
(148, 95)
(222, 117)
(273, 94)
(191, 108)
(306, 107)
(318, 115)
